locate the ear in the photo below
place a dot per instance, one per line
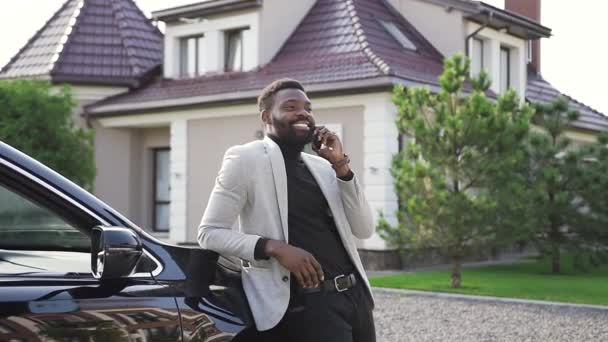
(266, 117)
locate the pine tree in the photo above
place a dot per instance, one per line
(460, 144)
(566, 186)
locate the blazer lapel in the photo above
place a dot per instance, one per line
(280, 180)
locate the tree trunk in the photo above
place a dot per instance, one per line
(555, 259)
(456, 271)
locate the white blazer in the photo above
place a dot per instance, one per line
(252, 185)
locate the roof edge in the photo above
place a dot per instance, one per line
(130, 82)
(529, 24)
(34, 37)
(100, 110)
(58, 55)
(378, 62)
(203, 8)
(473, 8)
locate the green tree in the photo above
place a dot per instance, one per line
(561, 193)
(459, 145)
(594, 192)
(567, 187)
(37, 119)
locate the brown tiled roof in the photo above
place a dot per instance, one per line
(337, 41)
(541, 91)
(93, 42)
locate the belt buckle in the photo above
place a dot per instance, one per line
(336, 283)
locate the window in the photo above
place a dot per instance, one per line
(505, 69)
(234, 50)
(28, 226)
(192, 56)
(397, 34)
(162, 189)
(35, 239)
(477, 57)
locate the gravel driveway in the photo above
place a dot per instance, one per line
(413, 317)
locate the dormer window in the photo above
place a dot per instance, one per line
(234, 50)
(192, 56)
(394, 31)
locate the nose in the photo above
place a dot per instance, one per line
(303, 114)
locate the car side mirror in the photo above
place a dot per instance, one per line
(115, 252)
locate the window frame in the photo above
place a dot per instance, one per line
(41, 196)
(482, 46)
(508, 71)
(227, 33)
(398, 35)
(183, 62)
(155, 152)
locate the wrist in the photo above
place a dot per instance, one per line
(342, 171)
(341, 166)
(272, 248)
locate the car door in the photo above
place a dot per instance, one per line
(52, 288)
(47, 290)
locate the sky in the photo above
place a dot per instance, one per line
(574, 59)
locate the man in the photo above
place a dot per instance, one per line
(298, 216)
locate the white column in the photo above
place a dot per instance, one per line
(521, 71)
(179, 153)
(379, 145)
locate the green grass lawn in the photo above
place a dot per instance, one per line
(530, 279)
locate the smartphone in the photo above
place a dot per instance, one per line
(316, 144)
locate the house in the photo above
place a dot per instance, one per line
(161, 131)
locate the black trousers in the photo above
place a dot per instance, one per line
(333, 317)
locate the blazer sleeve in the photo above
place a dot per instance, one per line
(226, 201)
(358, 212)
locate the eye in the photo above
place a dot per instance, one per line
(289, 108)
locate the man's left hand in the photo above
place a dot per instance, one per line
(328, 146)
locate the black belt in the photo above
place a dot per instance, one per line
(339, 283)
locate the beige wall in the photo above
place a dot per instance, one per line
(115, 159)
(208, 139)
(124, 161)
(84, 95)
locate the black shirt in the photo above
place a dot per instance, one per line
(310, 220)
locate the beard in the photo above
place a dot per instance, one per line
(290, 135)
(293, 138)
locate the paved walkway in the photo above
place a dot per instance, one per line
(413, 316)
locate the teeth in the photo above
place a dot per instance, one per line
(301, 125)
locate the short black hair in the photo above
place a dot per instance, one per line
(266, 98)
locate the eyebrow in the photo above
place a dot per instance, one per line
(296, 100)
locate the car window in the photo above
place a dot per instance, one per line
(34, 239)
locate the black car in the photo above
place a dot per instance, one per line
(74, 269)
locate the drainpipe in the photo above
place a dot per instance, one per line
(468, 38)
